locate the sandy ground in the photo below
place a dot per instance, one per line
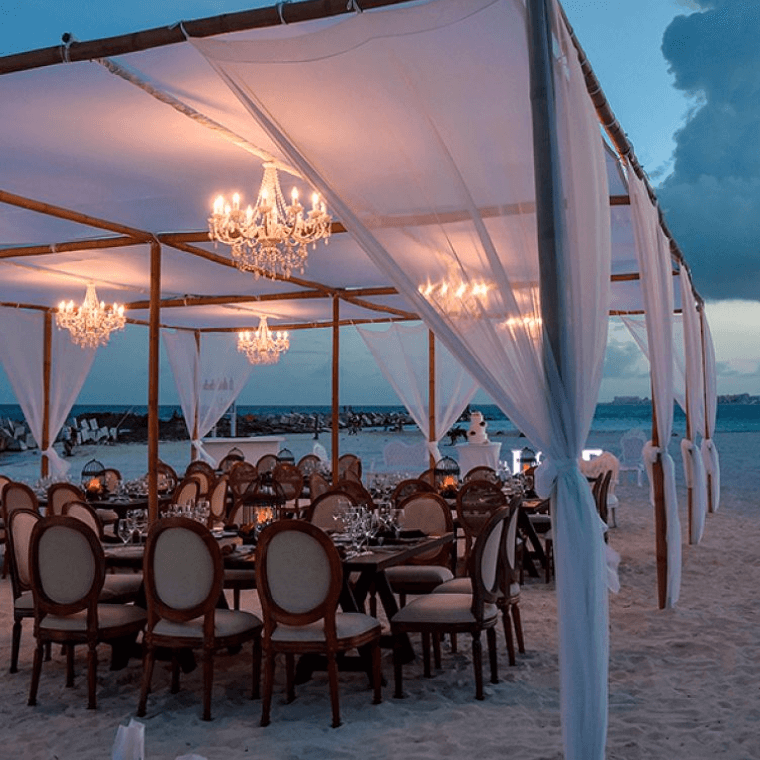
(684, 683)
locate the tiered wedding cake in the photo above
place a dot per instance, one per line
(477, 432)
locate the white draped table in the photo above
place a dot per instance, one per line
(471, 455)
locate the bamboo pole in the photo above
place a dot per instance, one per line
(660, 516)
(153, 378)
(47, 351)
(335, 429)
(73, 216)
(431, 393)
(19, 251)
(257, 18)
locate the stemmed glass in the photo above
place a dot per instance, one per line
(125, 530)
(140, 522)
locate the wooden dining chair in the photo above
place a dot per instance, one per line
(15, 496)
(318, 485)
(325, 510)
(3, 525)
(231, 458)
(204, 473)
(167, 477)
(19, 524)
(476, 501)
(430, 514)
(408, 487)
(300, 608)
(349, 465)
(508, 600)
(186, 492)
(111, 479)
(118, 588)
(482, 472)
(266, 463)
(435, 614)
(67, 570)
(60, 494)
(290, 479)
(183, 582)
(240, 476)
(354, 487)
(218, 500)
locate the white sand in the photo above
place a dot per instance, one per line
(684, 683)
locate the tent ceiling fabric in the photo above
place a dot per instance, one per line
(79, 137)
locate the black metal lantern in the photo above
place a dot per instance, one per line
(94, 479)
(263, 500)
(235, 453)
(285, 456)
(446, 474)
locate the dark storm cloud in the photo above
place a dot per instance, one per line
(712, 198)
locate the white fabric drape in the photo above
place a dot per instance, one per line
(431, 193)
(401, 352)
(709, 450)
(693, 464)
(653, 253)
(694, 469)
(21, 352)
(208, 378)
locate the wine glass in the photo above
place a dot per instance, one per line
(140, 521)
(124, 531)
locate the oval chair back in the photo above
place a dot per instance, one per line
(408, 487)
(303, 592)
(60, 494)
(325, 510)
(67, 568)
(477, 500)
(18, 496)
(217, 500)
(19, 526)
(84, 512)
(266, 463)
(487, 561)
(186, 492)
(429, 513)
(111, 479)
(240, 476)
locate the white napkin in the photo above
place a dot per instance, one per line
(130, 742)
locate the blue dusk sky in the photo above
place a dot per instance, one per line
(683, 78)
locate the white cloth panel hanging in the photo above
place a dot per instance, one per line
(637, 327)
(208, 379)
(694, 469)
(653, 253)
(21, 352)
(401, 352)
(432, 193)
(709, 450)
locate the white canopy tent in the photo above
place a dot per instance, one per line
(453, 140)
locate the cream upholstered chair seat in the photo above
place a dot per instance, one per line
(463, 585)
(422, 575)
(299, 602)
(445, 609)
(347, 624)
(183, 581)
(109, 616)
(226, 623)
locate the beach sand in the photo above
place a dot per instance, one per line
(684, 683)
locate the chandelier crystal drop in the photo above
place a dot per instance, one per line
(270, 237)
(262, 346)
(92, 323)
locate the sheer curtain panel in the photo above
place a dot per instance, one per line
(22, 354)
(429, 164)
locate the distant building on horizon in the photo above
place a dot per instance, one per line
(630, 400)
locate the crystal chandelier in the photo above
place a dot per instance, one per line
(262, 346)
(92, 323)
(271, 237)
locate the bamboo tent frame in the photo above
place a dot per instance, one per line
(374, 303)
(189, 285)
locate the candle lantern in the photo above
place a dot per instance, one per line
(94, 479)
(527, 459)
(285, 456)
(446, 474)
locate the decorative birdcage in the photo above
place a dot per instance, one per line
(235, 453)
(94, 479)
(285, 456)
(527, 459)
(446, 474)
(263, 501)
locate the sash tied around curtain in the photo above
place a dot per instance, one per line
(651, 454)
(432, 447)
(549, 471)
(712, 468)
(202, 453)
(694, 474)
(58, 467)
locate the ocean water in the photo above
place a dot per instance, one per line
(732, 418)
